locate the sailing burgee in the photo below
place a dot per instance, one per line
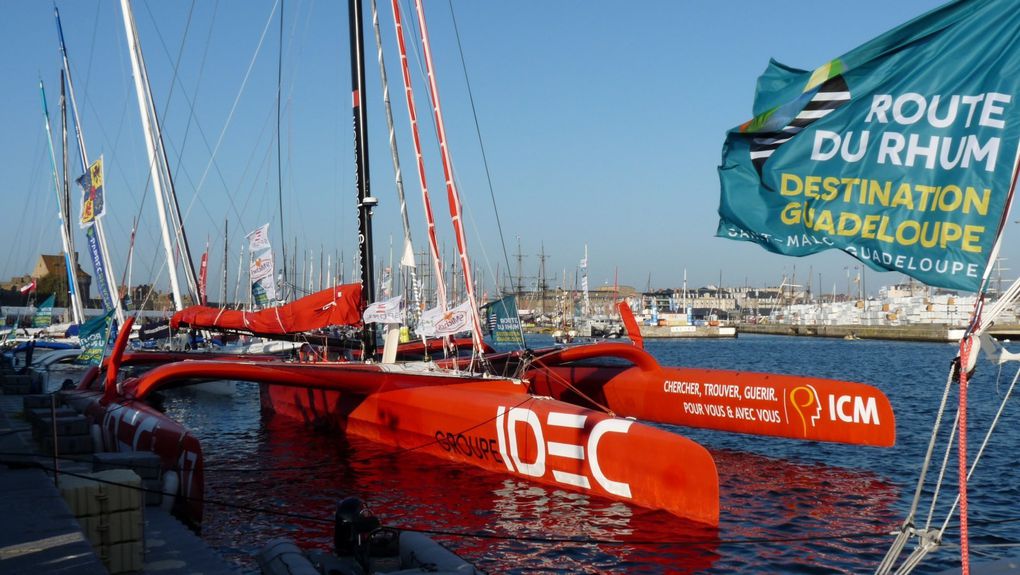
(900, 152)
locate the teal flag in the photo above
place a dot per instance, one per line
(93, 336)
(900, 152)
(44, 313)
(505, 324)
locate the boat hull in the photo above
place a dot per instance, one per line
(808, 408)
(497, 425)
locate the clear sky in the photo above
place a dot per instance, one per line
(602, 125)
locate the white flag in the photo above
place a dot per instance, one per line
(386, 311)
(436, 323)
(259, 239)
(261, 266)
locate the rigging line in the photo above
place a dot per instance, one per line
(174, 79)
(92, 49)
(984, 443)
(237, 99)
(201, 131)
(568, 385)
(24, 220)
(279, 161)
(481, 145)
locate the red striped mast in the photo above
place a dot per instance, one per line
(430, 219)
(453, 197)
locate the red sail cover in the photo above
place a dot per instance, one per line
(340, 305)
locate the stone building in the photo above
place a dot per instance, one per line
(50, 275)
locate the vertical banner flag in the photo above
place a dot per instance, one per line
(899, 152)
(93, 204)
(386, 311)
(259, 239)
(44, 313)
(505, 323)
(93, 336)
(261, 267)
(99, 265)
(203, 271)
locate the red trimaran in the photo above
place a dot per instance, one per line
(564, 419)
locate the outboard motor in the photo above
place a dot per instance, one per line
(353, 523)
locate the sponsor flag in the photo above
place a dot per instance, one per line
(899, 152)
(28, 288)
(259, 239)
(99, 265)
(44, 313)
(437, 323)
(261, 266)
(93, 204)
(93, 336)
(505, 323)
(386, 311)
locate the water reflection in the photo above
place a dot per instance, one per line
(786, 506)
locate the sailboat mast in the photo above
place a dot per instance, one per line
(105, 280)
(365, 200)
(65, 212)
(223, 287)
(453, 196)
(407, 252)
(61, 191)
(430, 220)
(158, 164)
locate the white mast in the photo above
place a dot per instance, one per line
(111, 280)
(141, 85)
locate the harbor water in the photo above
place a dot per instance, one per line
(786, 506)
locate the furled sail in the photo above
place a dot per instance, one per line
(339, 305)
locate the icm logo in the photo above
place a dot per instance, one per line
(853, 409)
(547, 453)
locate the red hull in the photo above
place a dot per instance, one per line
(496, 425)
(790, 406)
(131, 425)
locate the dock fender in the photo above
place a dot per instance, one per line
(96, 433)
(171, 482)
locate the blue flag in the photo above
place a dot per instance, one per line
(900, 152)
(93, 336)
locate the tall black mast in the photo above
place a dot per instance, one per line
(365, 200)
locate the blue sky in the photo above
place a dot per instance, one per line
(602, 124)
